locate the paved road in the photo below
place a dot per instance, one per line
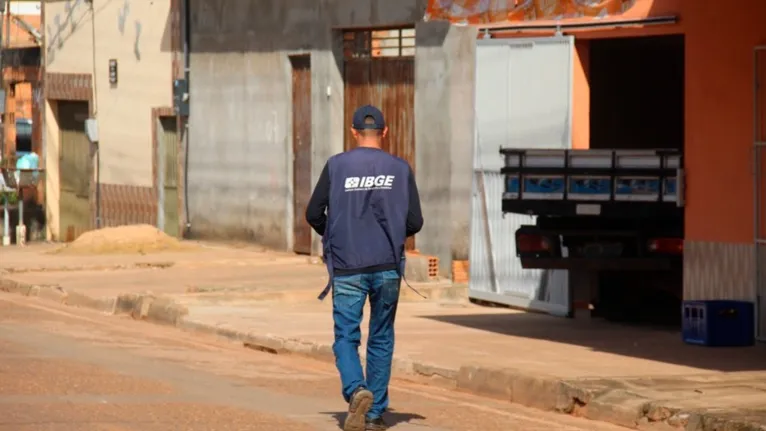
(63, 369)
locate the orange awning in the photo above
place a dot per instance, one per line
(495, 11)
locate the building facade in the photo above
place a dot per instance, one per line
(113, 62)
(720, 104)
(273, 85)
(718, 117)
(22, 78)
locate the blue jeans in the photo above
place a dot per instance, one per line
(348, 300)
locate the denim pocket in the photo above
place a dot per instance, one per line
(347, 291)
(389, 290)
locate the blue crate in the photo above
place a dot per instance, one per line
(718, 323)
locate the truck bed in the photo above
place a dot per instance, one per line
(606, 183)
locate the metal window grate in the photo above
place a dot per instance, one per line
(399, 42)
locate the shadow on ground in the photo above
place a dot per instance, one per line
(657, 344)
(392, 417)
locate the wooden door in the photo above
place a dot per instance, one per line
(301, 152)
(759, 153)
(388, 84)
(75, 170)
(171, 202)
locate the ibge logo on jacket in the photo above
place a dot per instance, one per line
(380, 182)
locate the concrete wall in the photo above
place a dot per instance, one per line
(137, 34)
(444, 112)
(240, 137)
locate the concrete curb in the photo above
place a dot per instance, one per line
(616, 406)
(140, 307)
(74, 268)
(440, 293)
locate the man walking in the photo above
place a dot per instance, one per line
(372, 206)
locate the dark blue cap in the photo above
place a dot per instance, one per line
(367, 118)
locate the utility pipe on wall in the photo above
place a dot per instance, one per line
(186, 34)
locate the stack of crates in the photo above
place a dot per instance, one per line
(719, 323)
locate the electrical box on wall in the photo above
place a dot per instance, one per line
(91, 130)
(181, 97)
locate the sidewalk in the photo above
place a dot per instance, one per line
(620, 374)
(214, 272)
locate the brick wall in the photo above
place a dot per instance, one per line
(124, 205)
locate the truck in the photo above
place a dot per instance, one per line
(608, 212)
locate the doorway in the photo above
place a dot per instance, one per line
(379, 70)
(301, 72)
(75, 170)
(637, 93)
(168, 141)
(637, 88)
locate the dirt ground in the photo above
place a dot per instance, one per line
(134, 239)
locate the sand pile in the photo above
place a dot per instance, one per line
(141, 239)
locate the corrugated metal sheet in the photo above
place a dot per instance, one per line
(301, 152)
(523, 100)
(529, 288)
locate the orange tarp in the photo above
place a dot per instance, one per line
(492, 11)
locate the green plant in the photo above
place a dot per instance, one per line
(9, 196)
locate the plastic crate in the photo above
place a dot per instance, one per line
(718, 323)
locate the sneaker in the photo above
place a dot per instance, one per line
(377, 424)
(361, 401)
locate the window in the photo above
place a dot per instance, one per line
(399, 42)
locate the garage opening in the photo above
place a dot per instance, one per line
(637, 102)
(637, 92)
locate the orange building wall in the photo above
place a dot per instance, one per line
(719, 118)
(719, 108)
(581, 96)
